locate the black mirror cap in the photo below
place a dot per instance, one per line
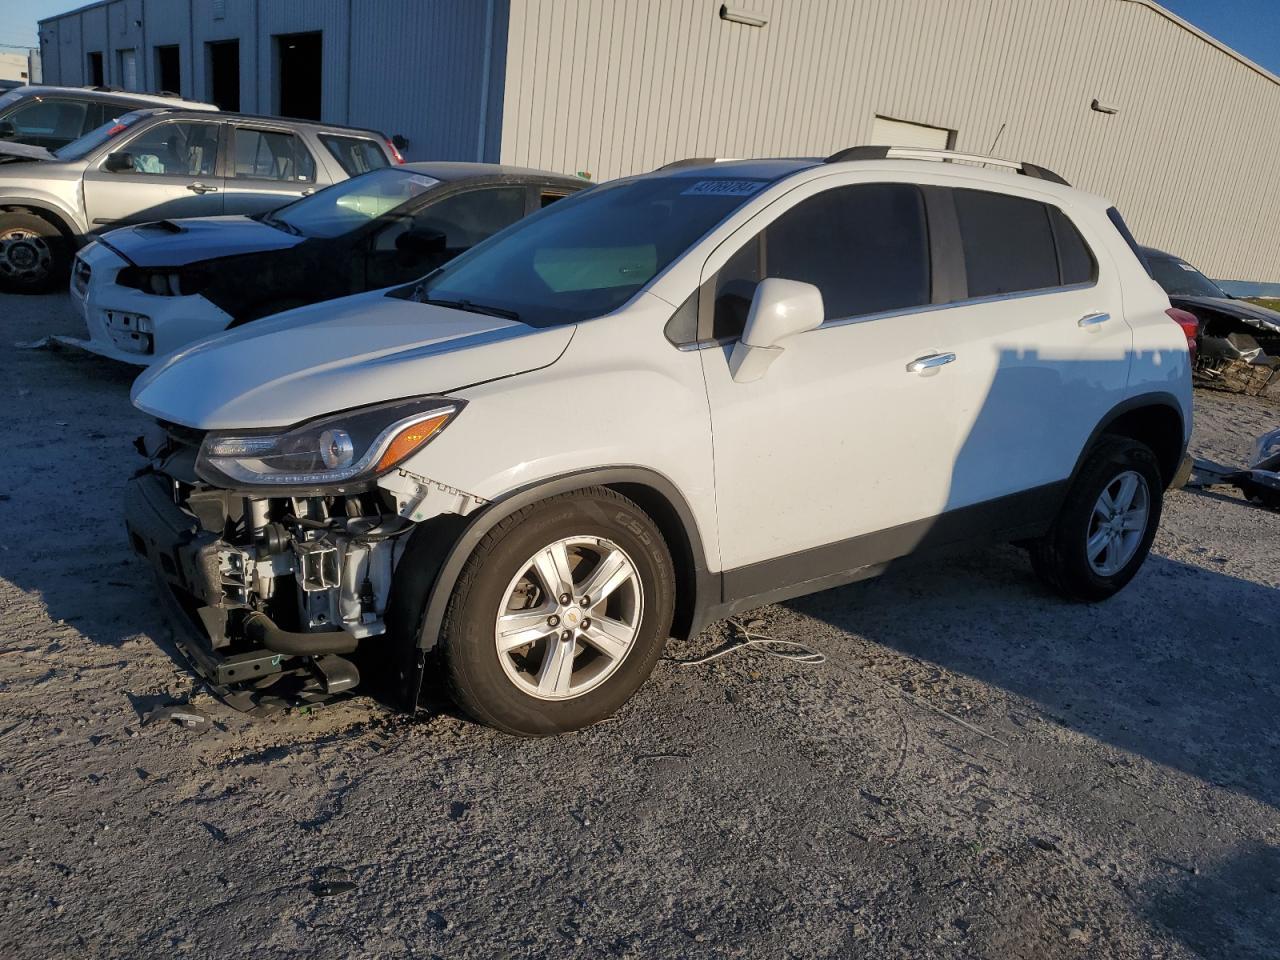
(118, 162)
(422, 243)
(7, 130)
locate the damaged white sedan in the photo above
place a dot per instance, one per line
(658, 402)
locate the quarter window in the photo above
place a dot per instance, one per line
(356, 155)
(1007, 242)
(176, 150)
(1075, 261)
(271, 155)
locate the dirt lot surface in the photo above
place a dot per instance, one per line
(1112, 790)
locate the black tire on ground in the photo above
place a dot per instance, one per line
(1060, 558)
(477, 680)
(34, 255)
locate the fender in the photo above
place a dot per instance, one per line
(1158, 398)
(50, 205)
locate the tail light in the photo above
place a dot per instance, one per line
(395, 154)
(1190, 326)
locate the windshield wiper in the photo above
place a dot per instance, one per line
(472, 307)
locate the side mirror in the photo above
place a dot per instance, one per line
(118, 163)
(779, 309)
(7, 130)
(421, 243)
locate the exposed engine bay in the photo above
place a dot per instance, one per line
(280, 588)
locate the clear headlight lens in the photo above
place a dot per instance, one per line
(338, 449)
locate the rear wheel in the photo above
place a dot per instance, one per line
(1104, 530)
(560, 614)
(33, 253)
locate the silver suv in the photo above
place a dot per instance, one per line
(51, 117)
(157, 164)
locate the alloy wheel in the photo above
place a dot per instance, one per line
(1118, 523)
(25, 255)
(569, 618)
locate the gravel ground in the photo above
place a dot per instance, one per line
(978, 770)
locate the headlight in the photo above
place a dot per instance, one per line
(338, 449)
(164, 283)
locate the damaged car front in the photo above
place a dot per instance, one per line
(275, 545)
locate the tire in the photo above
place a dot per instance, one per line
(521, 691)
(34, 255)
(1062, 558)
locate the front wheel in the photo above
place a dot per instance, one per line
(33, 253)
(560, 614)
(1104, 530)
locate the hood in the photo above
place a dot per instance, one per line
(9, 150)
(178, 243)
(1250, 313)
(334, 356)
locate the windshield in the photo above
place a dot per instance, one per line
(589, 254)
(91, 141)
(352, 203)
(1181, 279)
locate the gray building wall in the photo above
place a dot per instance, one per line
(430, 70)
(616, 88)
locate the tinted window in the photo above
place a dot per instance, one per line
(547, 199)
(1075, 262)
(866, 248)
(1181, 279)
(49, 119)
(268, 155)
(353, 203)
(734, 287)
(1007, 241)
(355, 155)
(467, 218)
(175, 149)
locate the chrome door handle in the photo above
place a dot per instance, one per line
(1093, 319)
(923, 365)
(308, 192)
(199, 187)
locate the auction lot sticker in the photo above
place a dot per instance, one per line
(723, 188)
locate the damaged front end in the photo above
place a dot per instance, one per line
(278, 588)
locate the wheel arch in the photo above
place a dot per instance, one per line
(1155, 419)
(57, 217)
(439, 549)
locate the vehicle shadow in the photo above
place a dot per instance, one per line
(1194, 689)
(1230, 911)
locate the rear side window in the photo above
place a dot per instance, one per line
(271, 155)
(865, 247)
(355, 155)
(1075, 261)
(1007, 242)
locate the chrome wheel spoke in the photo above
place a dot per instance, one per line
(1123, 499)
(612, 572)
(523, 627)
(1097, 543)
(611, 637)
(556, 673)
(553, 568)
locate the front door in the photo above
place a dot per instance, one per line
(171, 172)
(838, 456)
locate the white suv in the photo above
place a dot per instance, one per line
(663, 400)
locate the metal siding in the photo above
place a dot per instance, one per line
(619, 88)
(239, 23)
(305, 16)
(418, 71)
(169, 24)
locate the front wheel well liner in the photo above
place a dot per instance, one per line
(44, 213)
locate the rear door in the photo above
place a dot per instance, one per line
(1041, 345)
(172, 172)
(266, 168)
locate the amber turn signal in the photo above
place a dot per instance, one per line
(410, 439)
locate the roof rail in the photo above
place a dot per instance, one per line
(869, 152)
(691, 162)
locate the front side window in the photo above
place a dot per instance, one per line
(1007, 242)
(467, 218)
(175, 149)
(356, 155)
(865, 247)
(271, 155)
(351, 204)
(590, 253)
